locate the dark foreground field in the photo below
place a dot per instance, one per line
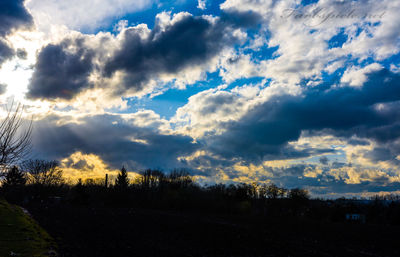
(20, 235)
(123, 232)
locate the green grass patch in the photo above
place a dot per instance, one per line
(20, 235)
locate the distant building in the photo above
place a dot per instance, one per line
(355, 217)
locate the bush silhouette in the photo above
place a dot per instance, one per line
(14, 178)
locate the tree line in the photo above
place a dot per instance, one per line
(41, 181)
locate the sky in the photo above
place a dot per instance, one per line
(297, 93)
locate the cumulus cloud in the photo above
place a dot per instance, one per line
(288, 98)
(136, 60)
(245, 132)
(210, 111)
(62, 72)
(114, 138)
(174, 44)
(76, 14)
(357, 76)
(88, 166)
(13, 16)
(6, 52)
(310, 41)
(201, 4)
(255, 129)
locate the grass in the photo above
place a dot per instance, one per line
(20, 235)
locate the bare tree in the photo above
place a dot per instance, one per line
(43, 172)
(151, 178)
(180, 178)
(14, 143)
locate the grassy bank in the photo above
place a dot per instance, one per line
(20, 235)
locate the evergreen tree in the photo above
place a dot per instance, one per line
(122, 179)
(14, 177)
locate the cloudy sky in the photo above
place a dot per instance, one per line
(298, 93)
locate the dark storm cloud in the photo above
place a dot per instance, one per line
(60, 73)
(342, 111)
(188, 42)
(6, 52)
(13, 15)
(110, 137)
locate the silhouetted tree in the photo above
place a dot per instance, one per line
(272, 191)
(180, 178)
(299, 200)
(43, 172)
(151, 178)
(122, 179)
(14, 178)
(14, 143)
(298, 194)
(80, 194)
(243, 191)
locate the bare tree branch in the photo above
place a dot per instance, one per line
(43, 172)
(14, 143)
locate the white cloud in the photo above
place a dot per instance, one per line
(78, 14)
(394, 68)
(379, 38)
(234, 67)
(201, 4)
(355, 175)
(303, 41)
(208, 111)
(356, 76)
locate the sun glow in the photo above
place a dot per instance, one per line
(17, 72)
(16, 77)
